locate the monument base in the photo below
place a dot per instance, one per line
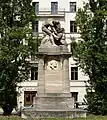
(53, 105)
(73, 113)
(55, 101)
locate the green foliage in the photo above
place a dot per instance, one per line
(16, 45)
(91, 53)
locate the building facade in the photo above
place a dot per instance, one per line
(65, 12)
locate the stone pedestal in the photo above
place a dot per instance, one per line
(53, 97)
(53, 79)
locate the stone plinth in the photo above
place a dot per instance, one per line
(44, 113)
(53, 79)
(53, 99)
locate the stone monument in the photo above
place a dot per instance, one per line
(53, 78)
(53, 97)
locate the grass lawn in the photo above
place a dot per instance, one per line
(88, 118)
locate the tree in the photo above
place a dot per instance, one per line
(91, 53)
(16, 45)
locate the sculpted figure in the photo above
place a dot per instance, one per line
(52, 32)
(47, 27)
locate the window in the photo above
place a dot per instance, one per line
(75, 95)
(72, 6)
(28, 97)
(36, 6)
(35, 26)
(34, 73)
(74, 73)
(73, 27)
(54, 7)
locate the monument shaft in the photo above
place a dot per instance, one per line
(53, 74)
